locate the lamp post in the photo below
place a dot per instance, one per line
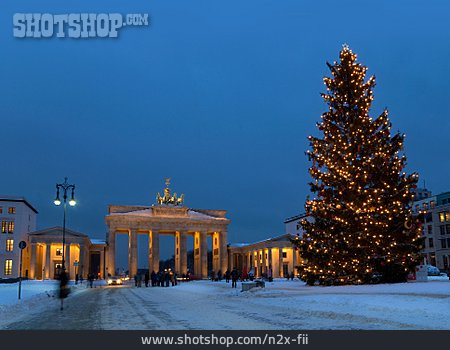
(64, 187)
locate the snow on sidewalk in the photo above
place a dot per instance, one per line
(35, 297)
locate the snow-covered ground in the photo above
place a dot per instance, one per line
(215, 305)
(36, 296)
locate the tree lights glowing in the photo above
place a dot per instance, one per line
(363, 222)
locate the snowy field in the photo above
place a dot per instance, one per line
(215, 305)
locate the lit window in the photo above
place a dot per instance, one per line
(11, 210)
(9, 245)
(8, 267)
(444, 216)
(11, 227)
(58, 251)
(4, 226)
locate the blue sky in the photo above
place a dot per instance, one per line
(218, 95)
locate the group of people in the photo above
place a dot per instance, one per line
(90, 278)
(157, 279)
(234, 275)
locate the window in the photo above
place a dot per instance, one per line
(1, 210)
(430, 242)
(445, 261)
(8, 267)
(284, 255)
(443, 243)
(430, 229)
(11, 227)
(442, 228)
(11, 210)
(4, 226)
(428, 217)
(9, 245)
(58, 251)
(425, 206)
(432, 204)
(444, 216)
(448, 229)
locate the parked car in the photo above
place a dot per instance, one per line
(433, 270)
(114, 281)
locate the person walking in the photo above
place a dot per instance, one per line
(234, 278)
(153, 278)
(227, 276)
(146, 279)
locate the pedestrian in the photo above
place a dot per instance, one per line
(91, 280)
(135, 280)
(76, 278)
(167, 278)
(63, 287)
(153, 278)
(292, 275)
(219, 275)
(81, 279)
(234, 278)
(147, 278)
(227, 276)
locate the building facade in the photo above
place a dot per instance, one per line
(169, 217)
(45, 251)
(436, 229)
(276, 256)
(18, 218)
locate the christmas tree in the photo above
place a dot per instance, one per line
(362, 228)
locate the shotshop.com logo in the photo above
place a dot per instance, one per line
(74, 25)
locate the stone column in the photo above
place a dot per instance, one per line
(111, 255)
(197, 262)
(256, 262)
(183, 252)
(223, 250)
(154, 250)
(294, 260)
(32, 273)
(176, 251)
(81, 261)
(102, 264)
(48, 249)
(204, 254)
(132, 252)
(275, 261)
(280, 256)
(67, 260)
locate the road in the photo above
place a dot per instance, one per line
(207, 305)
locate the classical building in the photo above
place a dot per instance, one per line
(18, 218)
(169, 216)
(277, 254)
(436, 228)
(82, 254)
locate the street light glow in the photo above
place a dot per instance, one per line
(72, 202)
(57, 201)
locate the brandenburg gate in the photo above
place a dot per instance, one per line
(169, 216)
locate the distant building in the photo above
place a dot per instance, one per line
(18, 218)
(292, 224)
(436, 228)
(276, 254)
(82, 255)
(421, 193)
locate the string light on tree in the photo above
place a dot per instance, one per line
(362, 216)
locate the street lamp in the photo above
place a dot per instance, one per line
(64, 187)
